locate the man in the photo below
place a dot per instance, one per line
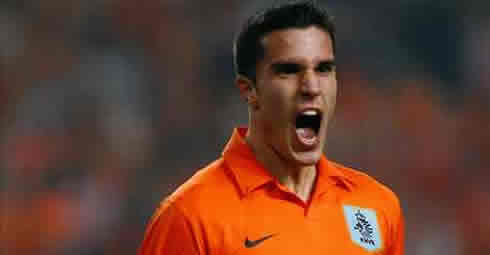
(273, 191)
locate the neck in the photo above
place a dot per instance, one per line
(296, 178)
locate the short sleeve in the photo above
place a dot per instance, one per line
(398, 233)
(171, 232)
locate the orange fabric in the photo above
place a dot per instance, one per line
(233, 206)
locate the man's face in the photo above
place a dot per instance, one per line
(296, 91)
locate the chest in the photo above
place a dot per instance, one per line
(324, 228)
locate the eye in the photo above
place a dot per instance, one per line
(286, 68)
(325, 67)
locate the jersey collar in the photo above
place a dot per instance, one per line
(250, 175)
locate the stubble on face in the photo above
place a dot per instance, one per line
(297, 73)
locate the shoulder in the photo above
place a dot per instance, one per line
(377, 203)
(368, 189)
(192, 210)
(181, 223)
(210, 187)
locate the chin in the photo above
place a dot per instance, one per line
(307, 158)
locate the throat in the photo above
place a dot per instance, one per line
(301, 182)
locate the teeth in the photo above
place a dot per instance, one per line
(310, 113)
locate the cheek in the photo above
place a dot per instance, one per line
(331, 90)
(277, 99)
(330, 96)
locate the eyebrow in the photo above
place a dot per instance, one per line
(328, 62)
(284, 64)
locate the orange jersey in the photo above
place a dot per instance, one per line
(234, 206)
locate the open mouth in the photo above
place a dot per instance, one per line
(307, 126)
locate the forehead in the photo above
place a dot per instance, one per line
(309, 44)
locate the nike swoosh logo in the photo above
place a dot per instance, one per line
(252, 243)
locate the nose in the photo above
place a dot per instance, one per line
(310, 86)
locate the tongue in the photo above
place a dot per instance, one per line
(306, 135)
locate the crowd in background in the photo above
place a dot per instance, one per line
(108, 105)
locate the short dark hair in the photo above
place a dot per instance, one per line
(248, 48)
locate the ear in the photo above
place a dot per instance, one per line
(248, 91)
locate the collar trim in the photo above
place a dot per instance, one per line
(250, 175)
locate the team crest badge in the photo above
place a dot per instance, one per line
(363, 227)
